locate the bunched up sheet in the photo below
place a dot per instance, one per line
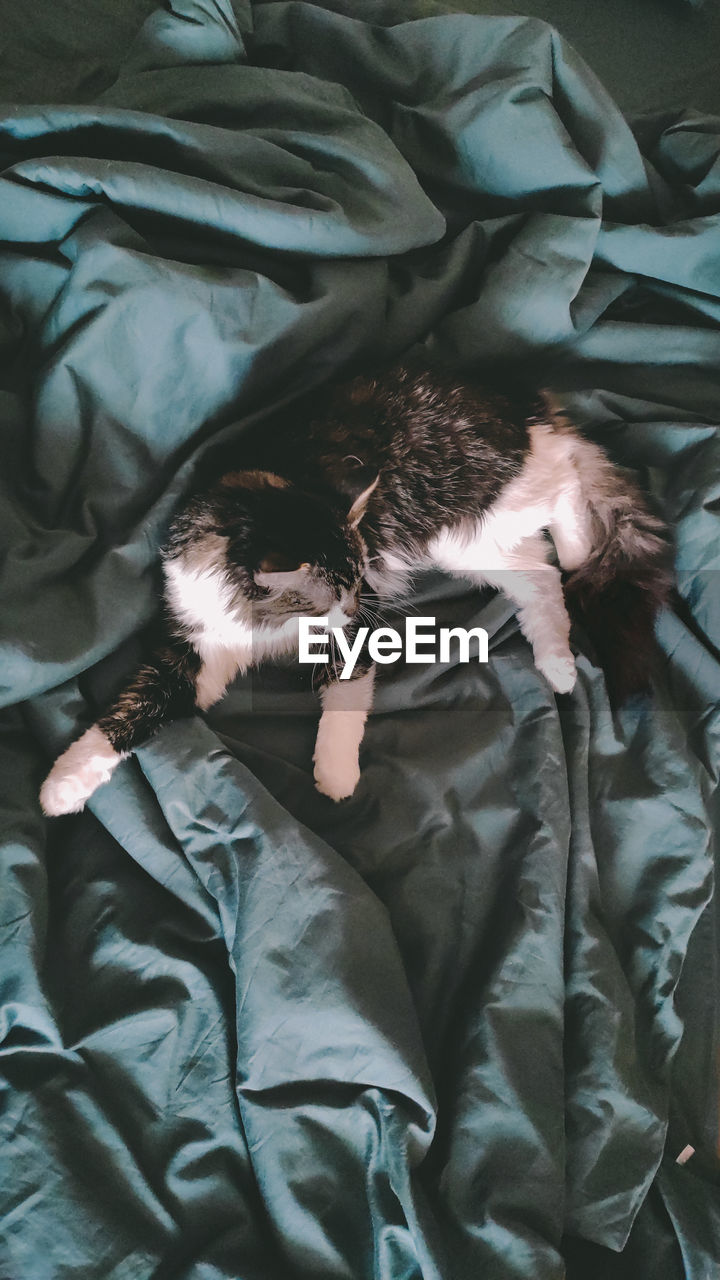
(463, 1024)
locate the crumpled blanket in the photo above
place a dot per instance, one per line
(463, 1024)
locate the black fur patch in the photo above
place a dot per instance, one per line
(443, 448)
(163, 689)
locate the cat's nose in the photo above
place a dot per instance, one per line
(350, 604)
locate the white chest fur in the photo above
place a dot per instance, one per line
(202, 599)
(219, 626)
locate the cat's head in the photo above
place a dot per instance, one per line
(274, 550)
(308, 557)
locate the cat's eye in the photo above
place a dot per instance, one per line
(278, 562)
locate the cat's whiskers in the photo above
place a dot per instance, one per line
(370, 608)
(373, 621)
(334, 656)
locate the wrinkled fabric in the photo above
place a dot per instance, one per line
(464, 1023)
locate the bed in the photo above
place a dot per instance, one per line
(465, 1023)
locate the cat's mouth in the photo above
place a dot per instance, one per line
(338, 615)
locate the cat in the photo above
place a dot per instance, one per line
(360, 486)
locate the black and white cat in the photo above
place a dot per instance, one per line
(369, 481)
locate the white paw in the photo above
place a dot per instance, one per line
(336, 778)
(560, 671)
(59, 795)
(77, 773)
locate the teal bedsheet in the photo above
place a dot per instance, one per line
(462, 1025)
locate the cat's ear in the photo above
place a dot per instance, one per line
(359, 506)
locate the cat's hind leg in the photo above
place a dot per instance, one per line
(570, 528)
(163, 689)
(520, 569)
(535, 586)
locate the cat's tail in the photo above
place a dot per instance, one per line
(618, 567)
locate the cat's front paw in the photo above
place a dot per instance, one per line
(336, 778)
(77, 773)
(560, 671)
(60, 795)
